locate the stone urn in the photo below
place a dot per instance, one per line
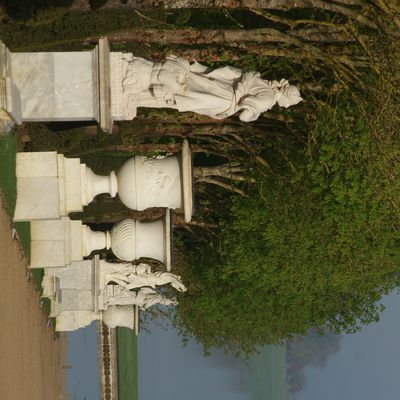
(130, 240)
(158, 182)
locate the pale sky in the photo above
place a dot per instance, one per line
(366, 368)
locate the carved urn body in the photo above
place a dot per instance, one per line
(131, 240)
(158, 182)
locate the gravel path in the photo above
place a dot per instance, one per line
(31, 360)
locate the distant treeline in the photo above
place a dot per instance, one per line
(311, 350)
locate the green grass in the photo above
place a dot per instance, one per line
(8, 187)
(127, 364)
(269, 376)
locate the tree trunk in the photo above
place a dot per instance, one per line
(230, 37)
(260, 4)
(231, 171)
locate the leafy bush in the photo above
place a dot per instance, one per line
(26, 9)
(315, 245)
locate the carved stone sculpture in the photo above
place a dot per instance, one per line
(136, 276)
(178, 84)
(144, 298)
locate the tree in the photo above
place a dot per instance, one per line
(313, 245)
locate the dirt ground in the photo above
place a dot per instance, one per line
(31, 359)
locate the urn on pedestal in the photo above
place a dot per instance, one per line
(50, 186)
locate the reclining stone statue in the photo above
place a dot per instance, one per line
(144, 298)
(136, 276)
(176, 83)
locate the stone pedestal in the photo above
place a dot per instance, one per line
(50, 186)
(56, 86)
(57, 243)
(77, 293)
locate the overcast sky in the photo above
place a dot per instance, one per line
(366, 368)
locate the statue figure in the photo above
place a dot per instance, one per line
(135, 276)
(178, 84)
(144, 298)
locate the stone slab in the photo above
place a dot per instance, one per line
(78, 275)
(37, 198)
(54, 86)
(37, 164)
(48, 247)
(76, 300)
(72, 184)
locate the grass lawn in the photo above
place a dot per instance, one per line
(269, 376)
(8, 189)
(8, 148)
(127, 364)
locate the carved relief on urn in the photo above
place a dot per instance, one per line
(131, 240)
(158, 182)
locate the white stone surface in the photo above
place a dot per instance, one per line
(50, 185)
(14, 106)
(131, 240)
(77, 299)
(123, 316)
(135, 276)
(37, 186)
(55, 243)
(73, 320)
(54, 86)
(79, 275)
(150, 182)
(158, 182)
(10, 99)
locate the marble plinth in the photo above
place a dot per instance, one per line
(50, 186)
(57, 243)
(56, 86)
(76, 293)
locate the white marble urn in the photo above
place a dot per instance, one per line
(158, 182)
(131, 240)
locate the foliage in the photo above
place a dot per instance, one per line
(314, 244)
(25, 9)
